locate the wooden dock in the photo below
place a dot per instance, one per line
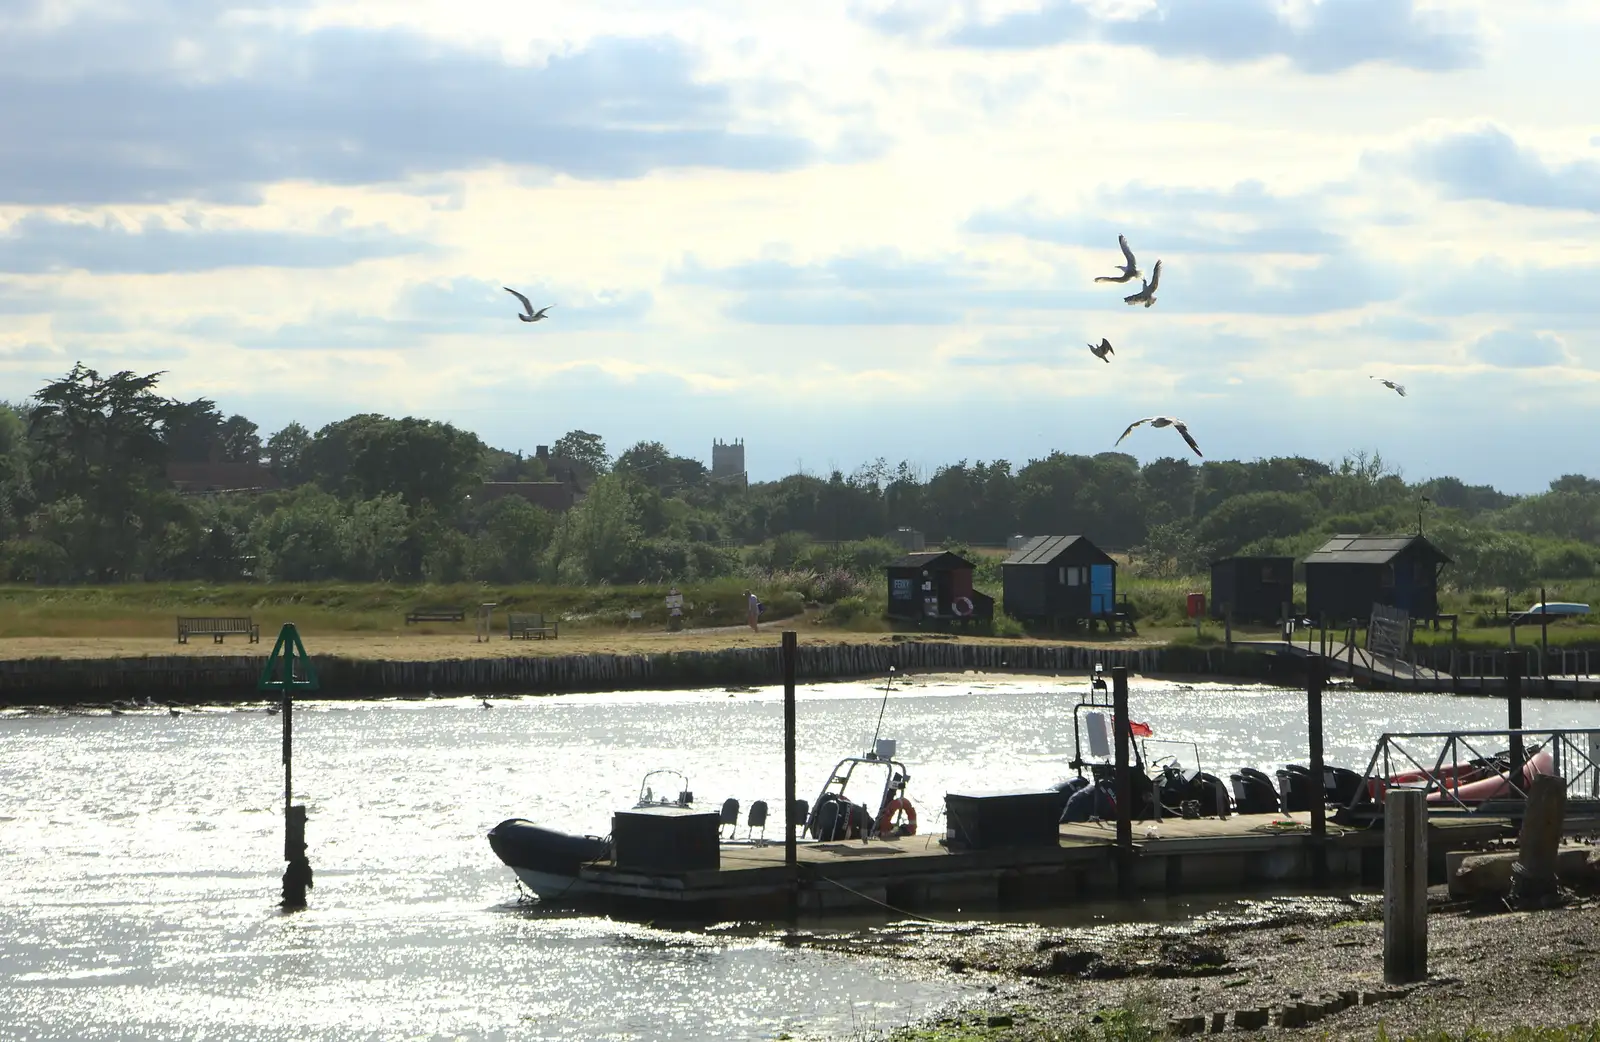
(903, 877)
(1371, 669)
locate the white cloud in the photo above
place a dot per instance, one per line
(767, 221)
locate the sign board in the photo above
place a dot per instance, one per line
(674, 602)
(901, 589)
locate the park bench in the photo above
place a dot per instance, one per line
(528, 625)
(218, 628)
(436, 615)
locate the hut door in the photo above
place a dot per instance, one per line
(1102, 589)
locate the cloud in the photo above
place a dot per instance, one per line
(886, 289)
(1518, 349)
(37, 243)
(1048, 349)
(1487, 163)
(1396, 327)
(341, 105)
(24, 298)
(1190, 220)
(1320, 38)
(1491, 286)
(425, 310)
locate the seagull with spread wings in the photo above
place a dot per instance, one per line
(1399, 389)
(529, 315)
(1164, 421)
(1147, 295)
(1130, 270)
(1102, 350)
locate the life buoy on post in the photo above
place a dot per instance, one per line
(886, 819)
(962, 606)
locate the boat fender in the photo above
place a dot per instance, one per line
(962, 606)
(886, 819)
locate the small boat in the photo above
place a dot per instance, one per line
(1469, 783)
(549, 862)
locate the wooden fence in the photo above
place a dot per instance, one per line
(233, 678)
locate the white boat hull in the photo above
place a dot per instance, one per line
(550, 887)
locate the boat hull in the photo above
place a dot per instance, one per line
(546, 860)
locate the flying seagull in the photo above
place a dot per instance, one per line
(1130, 270)
(1146, 296)
(1399, 389)
(1164, 421)
(1102, 351)
(529, 315)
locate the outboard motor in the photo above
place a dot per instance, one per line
(1294, 787)
(1091, 801)
(1253, 792)
(1342, 785)
(835, 819)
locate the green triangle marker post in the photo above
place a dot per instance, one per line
(289, 669)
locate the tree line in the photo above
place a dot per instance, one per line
(85, 497)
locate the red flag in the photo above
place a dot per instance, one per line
(1139, 730)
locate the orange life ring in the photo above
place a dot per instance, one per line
(886, 819)
(962, 606)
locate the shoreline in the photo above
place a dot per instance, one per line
(103, 671)
(1316, 972)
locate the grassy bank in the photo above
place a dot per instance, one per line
(148, 609)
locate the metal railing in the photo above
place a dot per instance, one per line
(1574, 756)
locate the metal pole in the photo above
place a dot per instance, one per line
(1316, 673)
(791, 854)
(1124, 778)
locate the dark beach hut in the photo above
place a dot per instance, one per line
(1059, 579)
(1351, 573)
(935, 586)
(1256, 588)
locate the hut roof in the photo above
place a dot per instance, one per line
(1042, 549)
(931, 559)
(1369, 549)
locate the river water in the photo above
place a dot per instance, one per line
(140, 853)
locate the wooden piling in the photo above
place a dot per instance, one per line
(1405, 886)
(1533, 877)
(1124, 779)
(1514, 712)
(790, 853)
(1316, 676)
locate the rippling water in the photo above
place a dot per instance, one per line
(140, 853)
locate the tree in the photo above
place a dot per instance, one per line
(239, 440)
(1255, 516)
(650, 463)
(424, 462)
(597, 540)
(99, 444)
(190, 430)
(585, 449)
(285, 450)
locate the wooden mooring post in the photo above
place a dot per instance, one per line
(1316, 677)
(1514, 712)
(288, 670)
(791, 856)
(1405, 886)
(1533, 877)
(1123, 779)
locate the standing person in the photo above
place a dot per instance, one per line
(752, 611)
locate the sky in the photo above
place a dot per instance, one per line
(838, 230)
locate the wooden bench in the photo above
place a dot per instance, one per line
(436, 615)
(218, 628)
(528, 625)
